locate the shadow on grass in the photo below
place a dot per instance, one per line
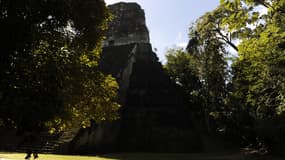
(192, 156)
(167, 156)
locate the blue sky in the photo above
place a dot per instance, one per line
(168, 20)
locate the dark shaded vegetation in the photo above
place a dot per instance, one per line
(49, 78)
(243, 102)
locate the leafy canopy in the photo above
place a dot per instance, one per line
(49, 76)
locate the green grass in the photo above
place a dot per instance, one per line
(20, 156)
(129, 156)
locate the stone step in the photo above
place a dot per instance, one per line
(40, 149)
(68, 135)
(47, 143)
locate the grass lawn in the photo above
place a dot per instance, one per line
(21, 156)
(128, 156)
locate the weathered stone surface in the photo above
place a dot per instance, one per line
(128, 25)
(153, 116)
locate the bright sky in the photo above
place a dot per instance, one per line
(168, 20)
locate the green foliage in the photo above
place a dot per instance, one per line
(210, 56)
(256, 90)
(202, 72)
(49, 59)
(182, 69)
(264, 71)
(248, 104)
(258, 73)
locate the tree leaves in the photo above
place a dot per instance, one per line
(50, 54)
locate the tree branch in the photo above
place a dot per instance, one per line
(226, 39)
(267, 5)
(261, 2)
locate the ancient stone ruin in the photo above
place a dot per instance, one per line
(154, 117)
(128, 25)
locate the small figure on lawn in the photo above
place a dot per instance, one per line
(29, 155)
(35, 154)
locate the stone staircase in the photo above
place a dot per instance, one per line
(48, 143)
(45, 143)
(65, 138)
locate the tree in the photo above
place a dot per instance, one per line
(260, 55)
(258, 73)
(210, 54)
(181, 67)
(204, 66)
(49, 58)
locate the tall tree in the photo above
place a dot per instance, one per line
(48, 64)
(260, 55)
(181, 67)
(258, 73)
(211, 54)
(207, 63)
